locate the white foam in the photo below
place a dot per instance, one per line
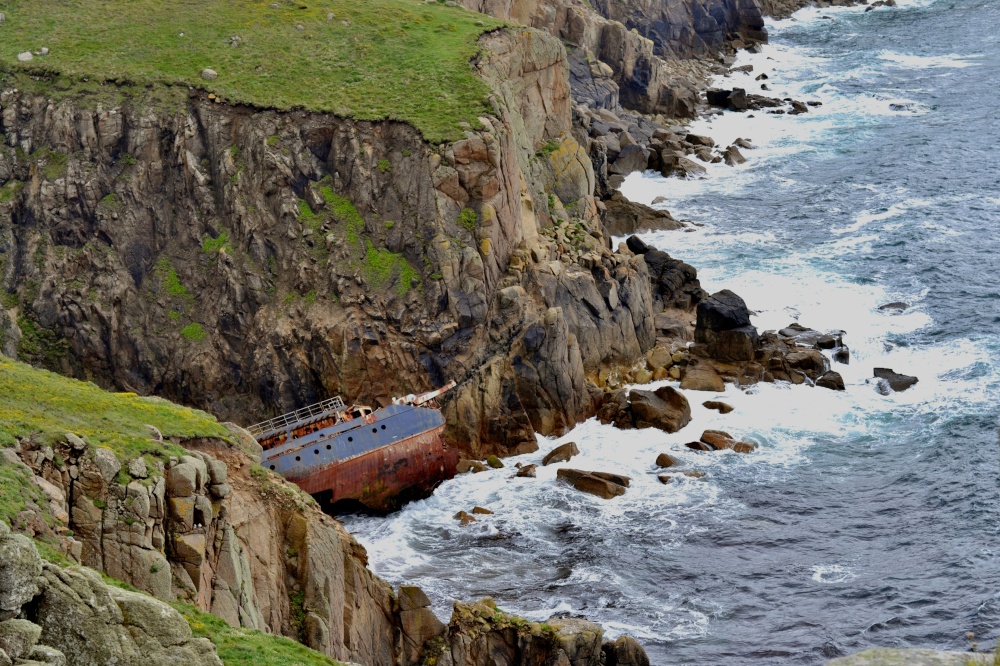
(831, 574)
(949, 61)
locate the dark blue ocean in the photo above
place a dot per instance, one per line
(863, 519)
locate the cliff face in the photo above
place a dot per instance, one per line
(651, 47)
(250, 262)
(218, 531)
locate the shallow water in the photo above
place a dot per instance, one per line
(863, 520)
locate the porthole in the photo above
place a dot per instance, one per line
(297, 458)
(383, 427)
(316, 452)
(272, 467)
(375, 430)
(327, 447)
(350, 439)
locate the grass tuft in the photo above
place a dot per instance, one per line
(468, 219)
(375, 60)
(214, 245)
(193, 332)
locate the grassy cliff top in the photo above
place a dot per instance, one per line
(370, 59)
(38, 403)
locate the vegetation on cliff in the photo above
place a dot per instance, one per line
(373, 60)
(244, 647)
(37, 403)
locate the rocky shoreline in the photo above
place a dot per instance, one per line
(249, 261)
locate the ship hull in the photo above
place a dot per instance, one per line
(380, 478)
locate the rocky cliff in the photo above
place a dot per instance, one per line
(251, 261)
(645, 55)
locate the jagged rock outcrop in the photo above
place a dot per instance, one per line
(216, 530)
(692, 28)
(479, 634)
(637, 53)
(72, 616)
(95, 624)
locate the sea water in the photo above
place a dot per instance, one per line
(862, 519)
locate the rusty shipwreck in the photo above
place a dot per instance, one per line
(376, 457)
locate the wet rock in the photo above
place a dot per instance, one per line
(828, 342)
(623, 217)
(494, 462)
(810, 361)
(842, 355)
(589, 482)
(831, 380)
(722, 311)
(665, 408)
(721, 407)
(895, 307)
(896, 381)
(464, 517)
(723, 324)
(562, 453)
(473, 466)
(719, 440)
(697, 140)
(617, 479)
(699, 446)
(702, 377)
(665, 460)
(625, 651)
(664, 478)
(733, 156)
(527, 471)
(632, 158)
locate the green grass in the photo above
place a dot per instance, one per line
(171, 281)
(394, 59)
(43, 405)
(213, 245)
(193, 332)
(16, 488)
(468, 219)
(10, 190)
(244, 647)
(381, 266)
(345, 213)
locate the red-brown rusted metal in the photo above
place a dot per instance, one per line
(413, 465)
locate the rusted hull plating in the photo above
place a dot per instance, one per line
(415, 465)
